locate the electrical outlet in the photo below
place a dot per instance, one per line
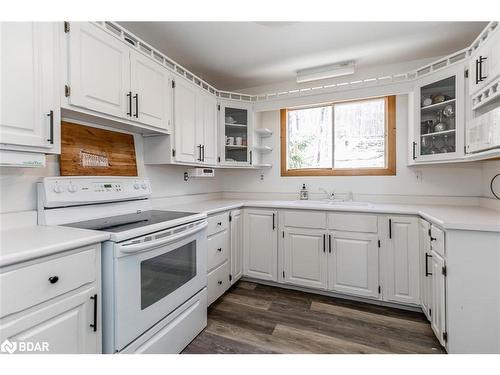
(418, 176)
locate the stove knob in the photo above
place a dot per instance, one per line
(58, 188)
(136, 186)
(144, 185)
(72, 188)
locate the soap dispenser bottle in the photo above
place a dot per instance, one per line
(304, 194)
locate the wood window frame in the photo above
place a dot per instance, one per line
(390, 147)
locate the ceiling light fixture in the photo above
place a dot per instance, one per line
(325, 72)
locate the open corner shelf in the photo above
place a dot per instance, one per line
(264, 132)
(263, 149)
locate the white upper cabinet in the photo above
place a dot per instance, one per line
(151, 92)
(99, 70)
(236, 124)
(484, 65)
(439, 101)
(353, 263)
(106, 75)
(207, 124)
(185, 122)
(400, 261)
(29, 100)
(304, 257)
(260, 244)
(195, 119)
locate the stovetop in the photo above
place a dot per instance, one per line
(122, 223)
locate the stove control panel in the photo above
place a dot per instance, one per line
(67, 191)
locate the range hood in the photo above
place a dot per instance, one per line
(21, 159)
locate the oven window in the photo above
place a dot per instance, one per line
(165, 273)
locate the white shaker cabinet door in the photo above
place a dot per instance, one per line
(236, 245)
(353, 263)
(65, 325)
(208, 120)
(425, 267)
(260, 244)
(400, 261)
(438, 304)
(99, 71)
(151, 92)
(29, 101)
(185, 122)
(304, 257)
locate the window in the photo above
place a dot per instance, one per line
(344, 138)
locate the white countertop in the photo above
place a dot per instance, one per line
(446, 216)
(26, 243)
(31, 242)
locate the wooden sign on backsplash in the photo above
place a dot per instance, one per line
(88, 151)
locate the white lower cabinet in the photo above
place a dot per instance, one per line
(60, 308)
(425, 268)
(218, 256)
(236, 234)
(304, 257)
(353, 263)
(260, 247)
(400, 261)
(63, 325)
(438, 304)
(217, 282)
(336, 251)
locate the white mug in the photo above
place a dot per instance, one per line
(229, 140)
(239, 141)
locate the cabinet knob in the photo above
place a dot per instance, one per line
(219, 249)
(53, 279)
(219, 282)
(219, 223)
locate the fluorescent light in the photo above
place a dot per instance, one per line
(324, 72)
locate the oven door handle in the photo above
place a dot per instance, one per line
(135, 248)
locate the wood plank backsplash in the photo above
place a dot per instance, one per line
(88, 151)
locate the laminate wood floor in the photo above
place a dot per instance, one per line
(255, 318)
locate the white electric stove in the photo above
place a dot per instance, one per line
(153, 266)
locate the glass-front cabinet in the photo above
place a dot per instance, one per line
(236, 133)
(439, 119)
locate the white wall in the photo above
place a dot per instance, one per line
(18, 192)
(490, 169)
(459, 180)
(18, 185)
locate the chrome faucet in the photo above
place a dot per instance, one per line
(329, 195)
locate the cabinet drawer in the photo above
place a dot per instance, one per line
(353, 222)
(304, 219)
(217, 223)
(218, 249)
(437, 240)
(218, 282)
(30, 285)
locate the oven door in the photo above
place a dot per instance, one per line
(154, 275)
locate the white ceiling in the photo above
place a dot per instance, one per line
(238, 55)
